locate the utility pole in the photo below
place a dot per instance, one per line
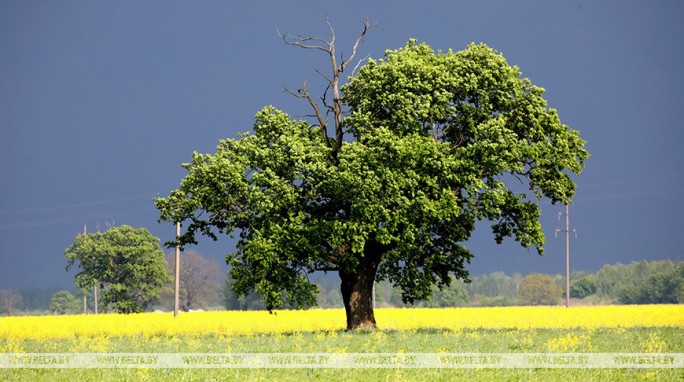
(85, 294)
(567, 251)
(85, 299)
(177, 292)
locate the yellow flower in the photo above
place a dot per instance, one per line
(654, 344)
(13, 345)
(143, 374)
(328, 322)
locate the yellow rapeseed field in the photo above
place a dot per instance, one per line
(316, 320)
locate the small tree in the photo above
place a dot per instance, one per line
(538, 289)
(10, 299)
(419, 147)
(63, 302)
(128, 264)
(583, 287)
(451, 296)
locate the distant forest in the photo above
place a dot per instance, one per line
(644, 282)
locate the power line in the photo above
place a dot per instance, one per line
(75, 219)
(633, 180)
(88, 204)
(620, 195)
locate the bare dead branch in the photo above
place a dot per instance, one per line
(324, 75)
(302, 42)
(303, 93)
(366, 25)
(332, 32)
(336, 106)
(290, 92)
(353, 73)
(321, 122)
(305, 116)
(324, 97)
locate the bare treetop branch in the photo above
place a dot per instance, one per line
(333, 79)
(332, 32)
(359, 64)
(366, 26)
(302, 42)
(303, 93)
(324, 75)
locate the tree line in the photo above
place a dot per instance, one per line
(204, 287)
(643, 282)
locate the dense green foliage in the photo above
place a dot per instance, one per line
(641, 282)
(660, 287)
(126, 263)
(431, 141)
(583, 287)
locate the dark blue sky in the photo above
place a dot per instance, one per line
(100, 103)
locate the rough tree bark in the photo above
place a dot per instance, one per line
(357, 290)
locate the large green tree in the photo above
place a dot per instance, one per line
(127, 263)
(420, 146)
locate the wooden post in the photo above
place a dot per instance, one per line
(85, 291)
(177, 270)
(567, 256)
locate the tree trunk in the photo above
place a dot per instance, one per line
(357, 290)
